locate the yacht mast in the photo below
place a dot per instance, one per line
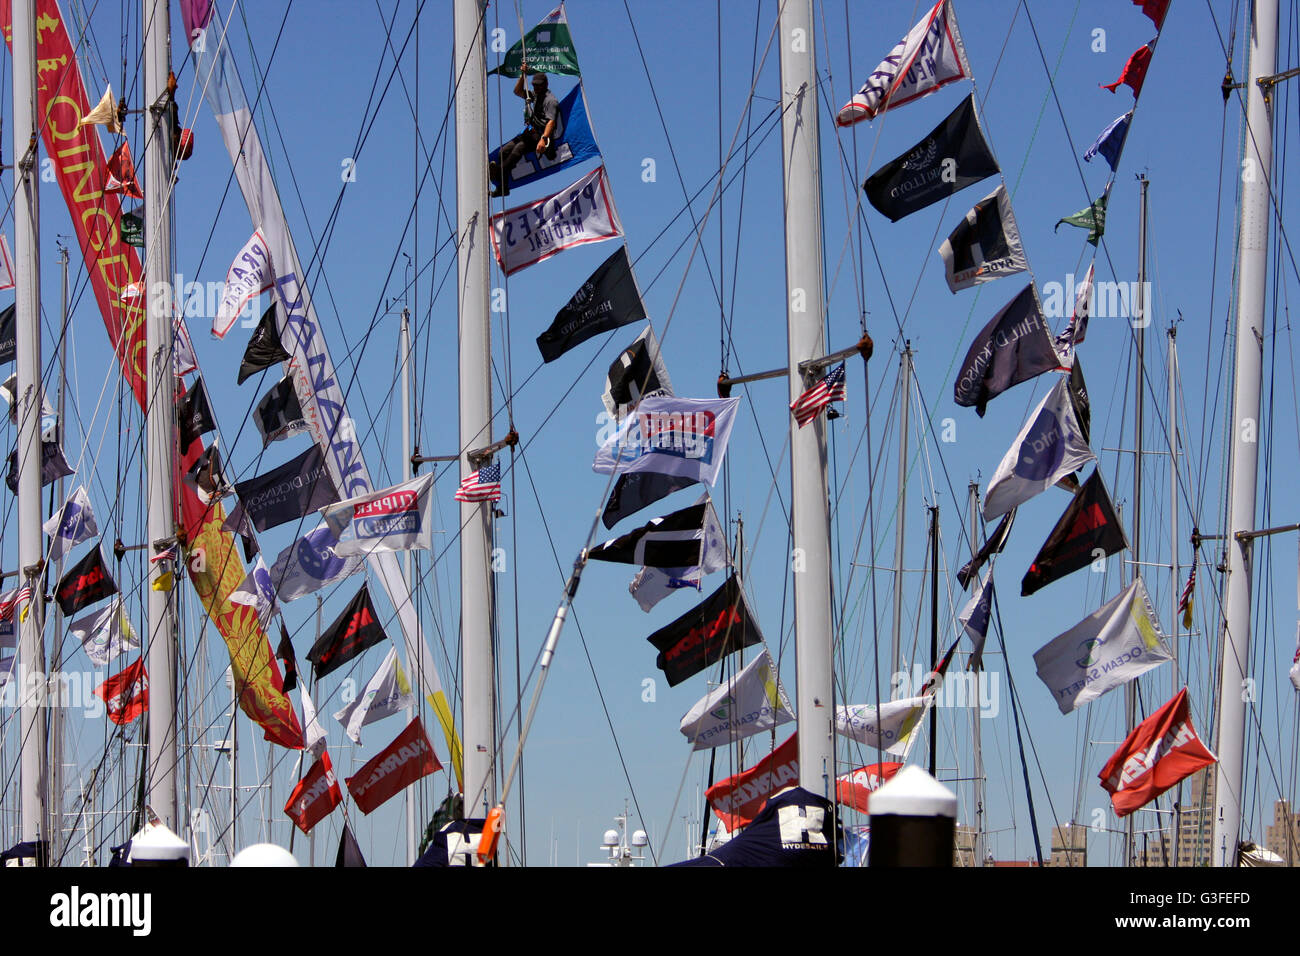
(1252, 271)
(905, 398)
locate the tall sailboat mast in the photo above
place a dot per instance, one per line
(1252, 271)
(161, 414)
(810, 530)
(27, 312)
(477, 663)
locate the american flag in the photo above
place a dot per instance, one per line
(11, 600)
(483, 485)
(829, 389)
(1186, 599)
(168, 555)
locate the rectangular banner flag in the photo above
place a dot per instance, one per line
(548, 47)
(652, 585)
(1119, 641)
(289, 492)
(750, 702)
(309, 564)
(608, 300)
(637, 491)
(84, 583)
(1088, 526)
(1012, 348)
(974, 620)
(393, 769)
(854, 789)
(6, 258)
(8, 335)
(105, 634)
(994, 545)
(737, 799)
(1111, 142)
(639, 371)
(954, 156)
(1161, 751)
(258, 592)
(392, 519)
(315, 796)
(676, 540)
(264, 348)
(930, 57)
(279, 414)
(313, 735)
(985, 245)
(387, 693)
(249, 275)
(575, 145)
(73, 524)
(686, 437)
(575, 216)
(1077, 330)
(194, 414)
(705, 634)
(1049, 447)
(890, 731)
(354, 632)
(126, 695)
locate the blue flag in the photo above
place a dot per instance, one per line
(1110, 142)
(578, 144)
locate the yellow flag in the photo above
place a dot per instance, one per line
(165, 582)
(105, 114)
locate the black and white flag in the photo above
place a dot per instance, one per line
(638, 372)
(279, 413)
(985, 245)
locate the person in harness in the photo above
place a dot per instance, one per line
(544, 129)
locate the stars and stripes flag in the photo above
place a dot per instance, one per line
(167, 555)
(1185, 602)
(482, 485)
(11, 600)
(830, 389)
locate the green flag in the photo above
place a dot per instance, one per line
(133, 229)
(548, 47)
(1093, 218)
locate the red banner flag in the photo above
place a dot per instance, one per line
(853, 789)
(737, 800)
(1160, 751)
(1135, 71)
(316, 795)
(396, 767)
(126, 695)
(120, 172)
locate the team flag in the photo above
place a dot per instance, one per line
(105, 633)
(653, 584)
(573, 143)
(1092, 218)
(387, 693)
(750, 702)
(132, 227)
(315, 796)
(854, 789)
(285, 652)
(579, 214)
(53, 465)
(209, 481)
(1155, 9)
(676, 540)
(126, 695)
(1135, 70)
(705, 634)
(264, 348)
(249, 275)
(73, 524)
(119, 175)
(1076, 331)
(985, 245)
(1116, 643)
(258, 591)
(84, 583)
(349, 850)
(639, 371)
(104, 113)
(830, 388)
(993, 545)
(608, 300)
(393, 769)
(6, 271)
(1110, 142)
(356, 630)
(481, 485)
(890, 730)
(1012, 348)
(194, 414)
(1088, 526)
(1161, 751)
(638, 490)
(737, 799)
(686, 437)
(930, 57)
(974, 619)
(398, 518)
(309, 564)
(279, 414)
(547, 47)
(288, 492)
(1185, 602)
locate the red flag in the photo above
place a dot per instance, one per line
(1135, 71)
(1160, 751)
(126, 694)
(397, 766)
(120, 173)
(1155, 9)
(853, 789)
(737, 800)
(316, 795)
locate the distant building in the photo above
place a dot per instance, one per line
(1069, 846)
(964, 846)
(1283, 837)
(1195, 815)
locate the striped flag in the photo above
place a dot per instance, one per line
(483, 485)
(829, 389)
(167, 555)
(1185, 602)
(8, 602)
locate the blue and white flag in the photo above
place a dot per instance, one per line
(1110, 142)
(577, 144)
(309, 564)
(105, 633)
(391, 519)
(74, 523)
(686, 437)
(975, 619)
(257, 591)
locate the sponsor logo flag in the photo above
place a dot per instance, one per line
(258, 592)
(1012, 348)
(105, 634)
(750, 702)
(576, 142)
(930, 57)
(8, 335)
(889, 731)
(387, 693)
(674, 436)
(1088, 525)
(279, 413)
(126, 695)
(356, 630)
(315, 796)
(73, 524)
(264, 348)
(1092, 218)
(1135, 70)
(309, 564)
(854, 789)
(985, 245)
(194, 414)
(548, 47)
(532, 233)
(392, 519)
(674, 541)
(120, 173)
(393, 769)
(1111, 141)
(652, 585)
(951, 158)
(481, 485)
(1160, 751)
(6, 266)
(1049, 447)
(84, 583)
(608, 300)
(638, 372)
(706, 634)
(975, 621)
(994, 545)
(289, 492)
(1077, 330)
(638, 490)
(53, 465)
(830, 388)
(249, 275)
(209, 481)
(737, 800)
(1119, 641)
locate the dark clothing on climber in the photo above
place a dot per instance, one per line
(545, 127)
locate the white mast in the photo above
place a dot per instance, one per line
(1252, 271)
(27, 312)
(905, 398)
(161, 410)
(477, 657)
(974, 492)
(810, 531)
(409, 714)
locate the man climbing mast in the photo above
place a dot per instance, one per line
(545, 127)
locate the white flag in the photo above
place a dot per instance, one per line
(582, 213)
(672, 436)
(1048, 448)
(1111, 646)
(105, 633)
(313, 735)
(891, 731)
(6, 265)
(257, 591)
(929, 57)
(249, 275)
(309, 564)
(387, 693)
(751, 702)
(652, 585)
(1295, 661)
(391, 519)
(72, 524)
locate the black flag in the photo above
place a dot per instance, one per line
(1088, 525)
(1079, 398)
(951, 158)
(994, 545)
(356, 630)
(349, 851)
(53, 465)
(7, 335)
(206, 477)
(674, 541)
(285, 652)
(637, 372)
(264, 348)
(706, 634)
(639, 489)
(607, 300)
(1013, 348)
(279, 413)
(85, 582)
(985, 245)
(288, 492)
(194, 414)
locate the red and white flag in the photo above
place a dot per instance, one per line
(829, 389)
(737, 800)
(316, 795)
(1160, 751)
(249, 275)
(393, 769)
(853, 789)
(119, 174)
(126, 695)
(6, 265)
